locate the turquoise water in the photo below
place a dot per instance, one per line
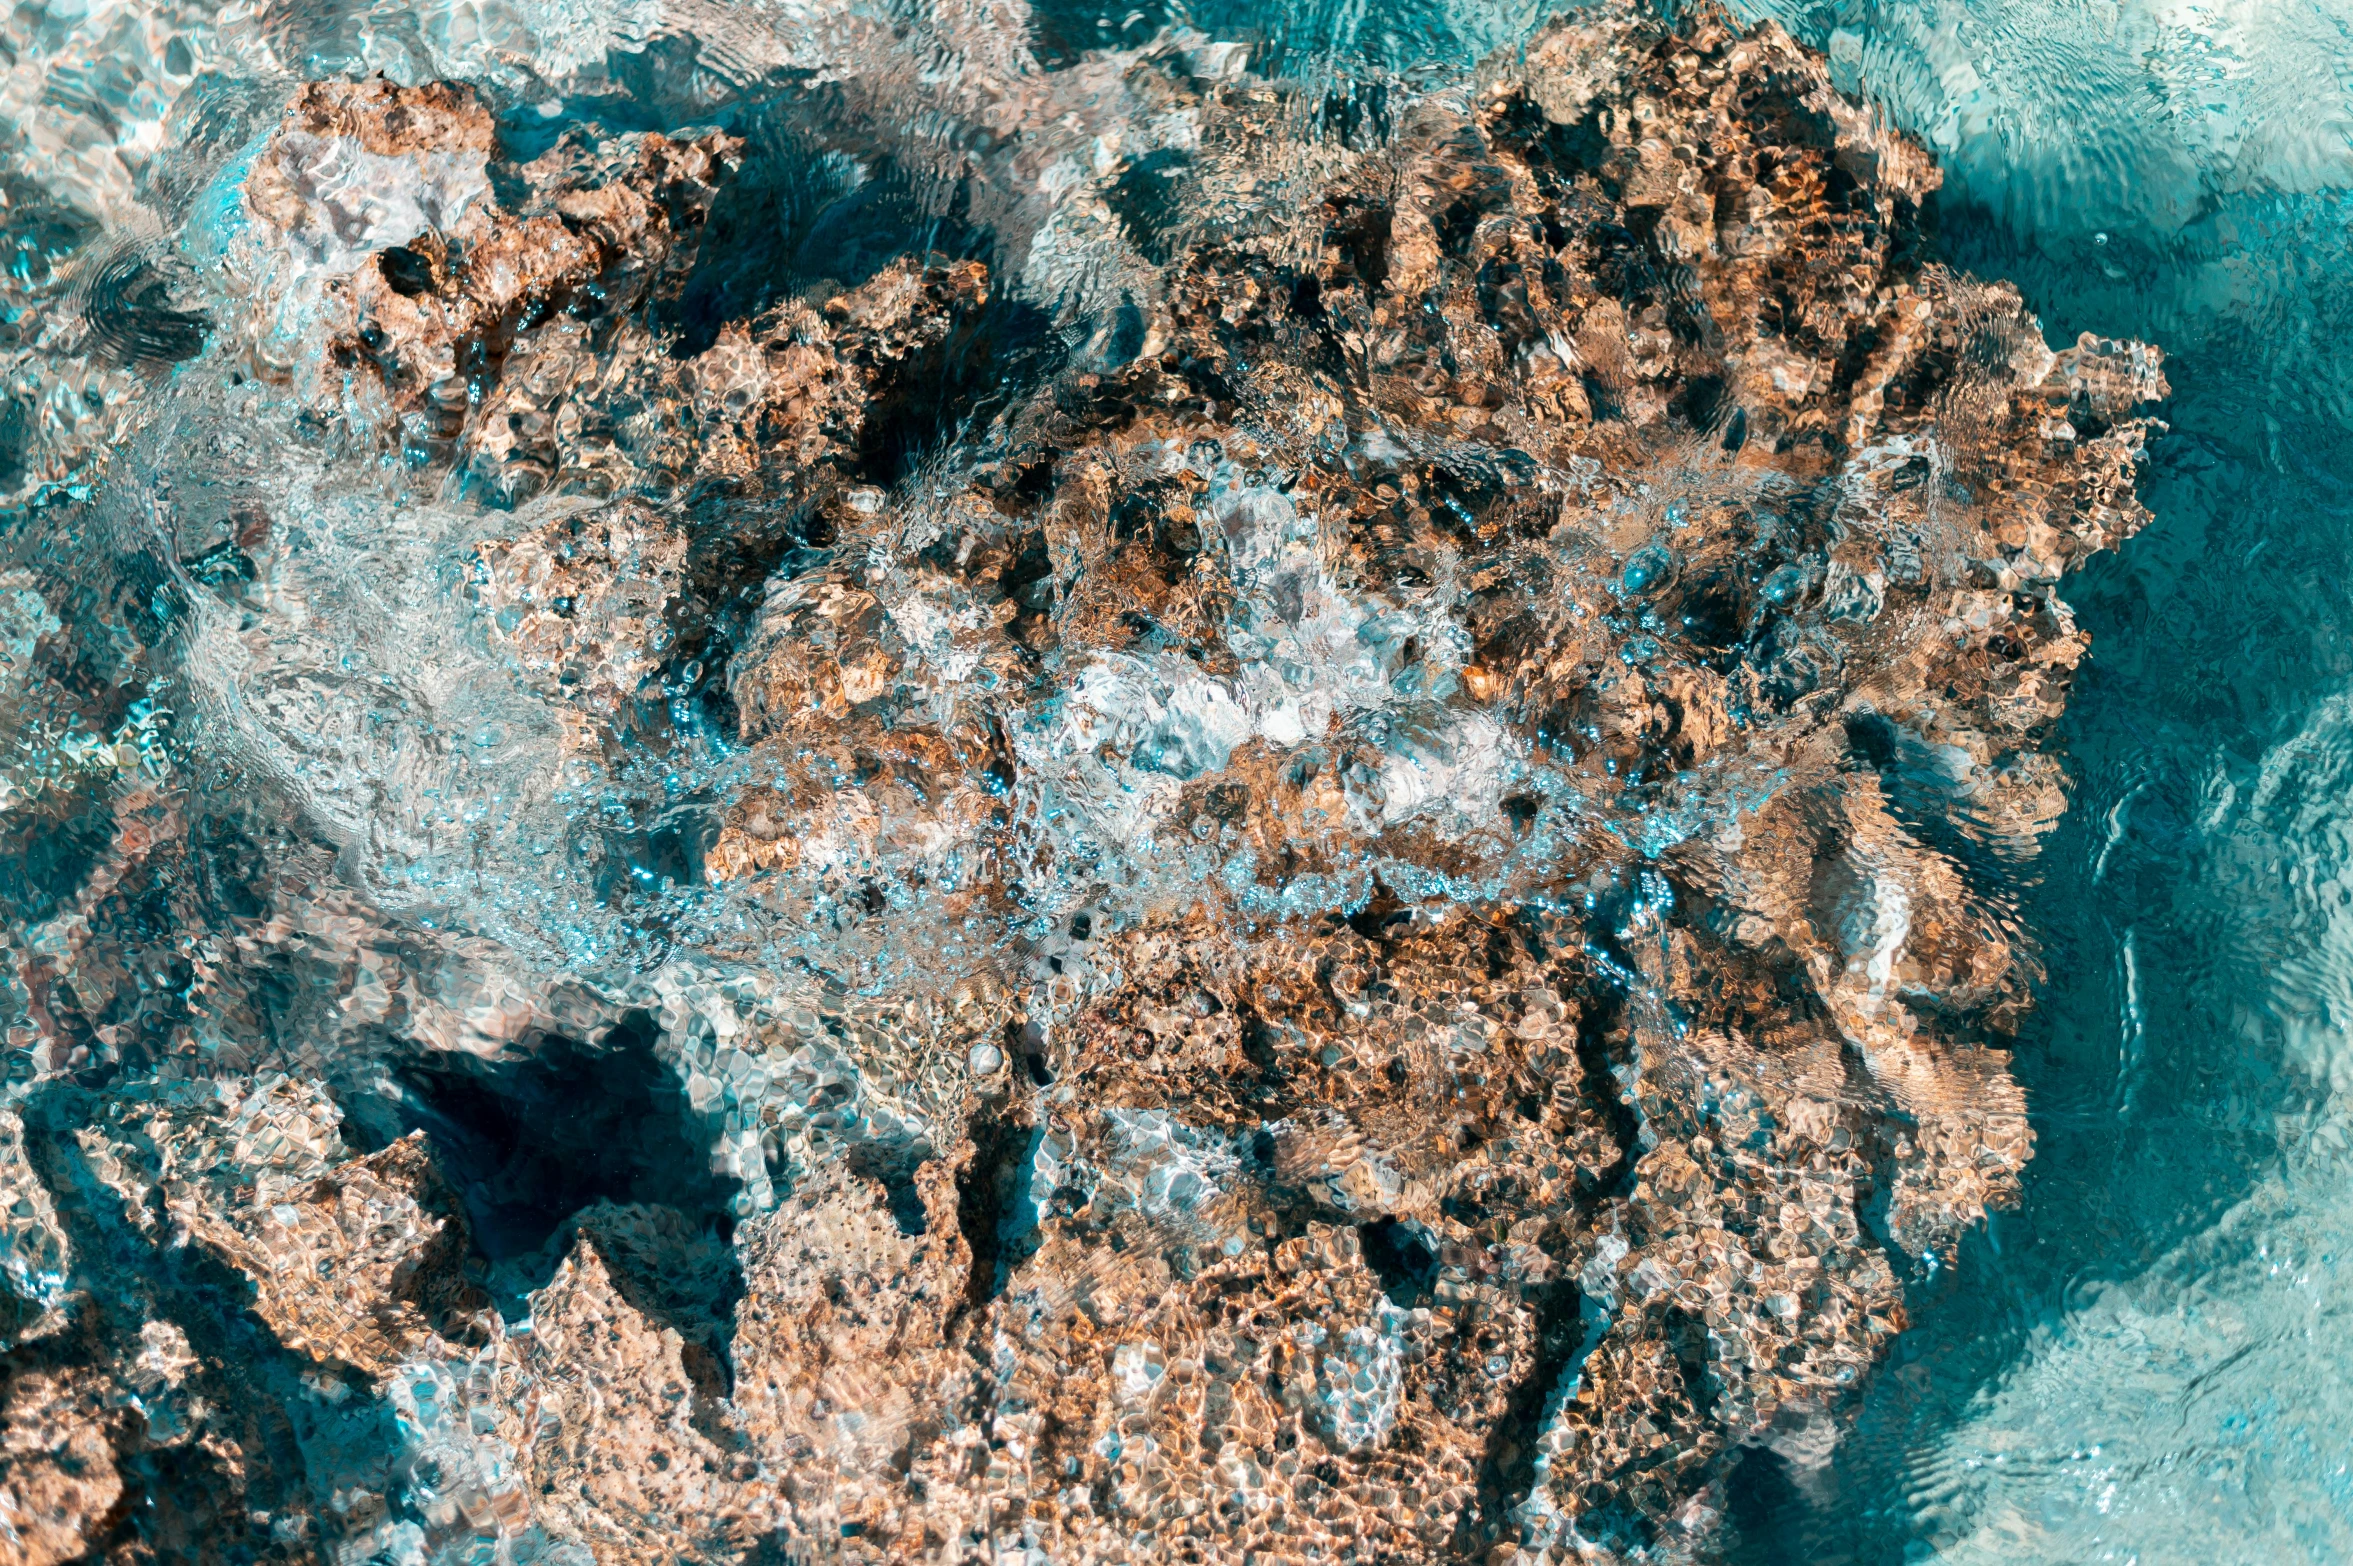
(2152, 1360)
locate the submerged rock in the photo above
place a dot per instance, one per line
(1357, 909)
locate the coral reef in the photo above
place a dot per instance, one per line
(1357, 910)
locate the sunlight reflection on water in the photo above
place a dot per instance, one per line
(2149, 1363)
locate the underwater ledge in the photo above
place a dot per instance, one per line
(1309, 861)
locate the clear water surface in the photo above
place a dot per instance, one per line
(2152, 1361)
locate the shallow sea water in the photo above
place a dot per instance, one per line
(2152, 1360)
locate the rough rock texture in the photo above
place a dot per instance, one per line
(1360, 914)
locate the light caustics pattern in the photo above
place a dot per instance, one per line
(2150, 1366)
(1003, 779)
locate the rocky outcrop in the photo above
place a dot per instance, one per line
(1360, 908)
